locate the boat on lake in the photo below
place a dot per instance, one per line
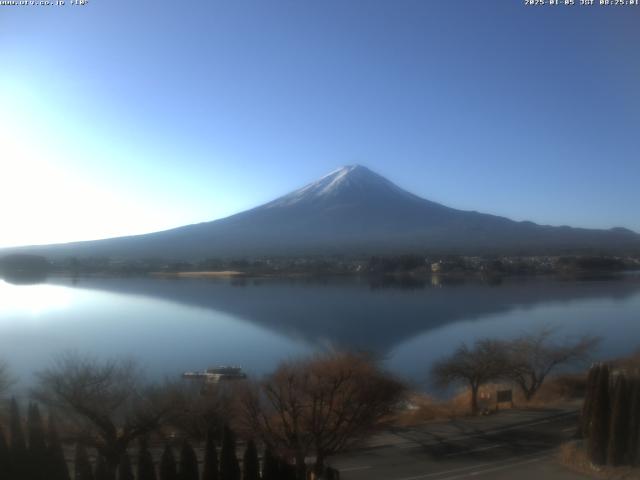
(216, 374)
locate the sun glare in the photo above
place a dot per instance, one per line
(52, 192)
(32, 300)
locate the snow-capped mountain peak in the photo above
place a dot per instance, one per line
(349, 180)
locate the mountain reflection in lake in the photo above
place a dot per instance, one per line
(173, 325)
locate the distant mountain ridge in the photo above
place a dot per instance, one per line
(352, 210)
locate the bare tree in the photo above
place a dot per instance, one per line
(200, 411)
(533, 356)
(107, 399)
(485, 361)
(320, 406)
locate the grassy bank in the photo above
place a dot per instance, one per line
(559, 391)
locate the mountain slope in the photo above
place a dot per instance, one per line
(352, 210)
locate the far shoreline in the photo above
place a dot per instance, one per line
(200, 274)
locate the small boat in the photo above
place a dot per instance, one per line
(216, 374)
(227, 372)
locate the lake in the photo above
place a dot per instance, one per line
(175, 325)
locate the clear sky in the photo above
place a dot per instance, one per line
(122, 117)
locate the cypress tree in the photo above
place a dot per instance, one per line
(58, 469)
(286, 470)
(250, 464)
(210, 469)
(37, 444)
(5, 457)
(619, 430)
(587, 406)
(82, 465)
(125, 472)
(188, 463)
(634, 422)
(269, 465)
(146, 469)
(101, 471)
(19, 454)
(599, 429)
(229, 467)
(168, 470)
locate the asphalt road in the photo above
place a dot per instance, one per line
(513, 444)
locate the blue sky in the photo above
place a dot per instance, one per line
(127, 117)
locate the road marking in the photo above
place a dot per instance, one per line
(427, 475)
(570, 429)
(353, 469)
(413, 444)
(523, 414)
(538, 423)
(481, 449)
(495, 469)
(480, 465)
(430, 442)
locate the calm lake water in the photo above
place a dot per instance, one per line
(173, 325)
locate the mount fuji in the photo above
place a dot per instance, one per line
(351, 210)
